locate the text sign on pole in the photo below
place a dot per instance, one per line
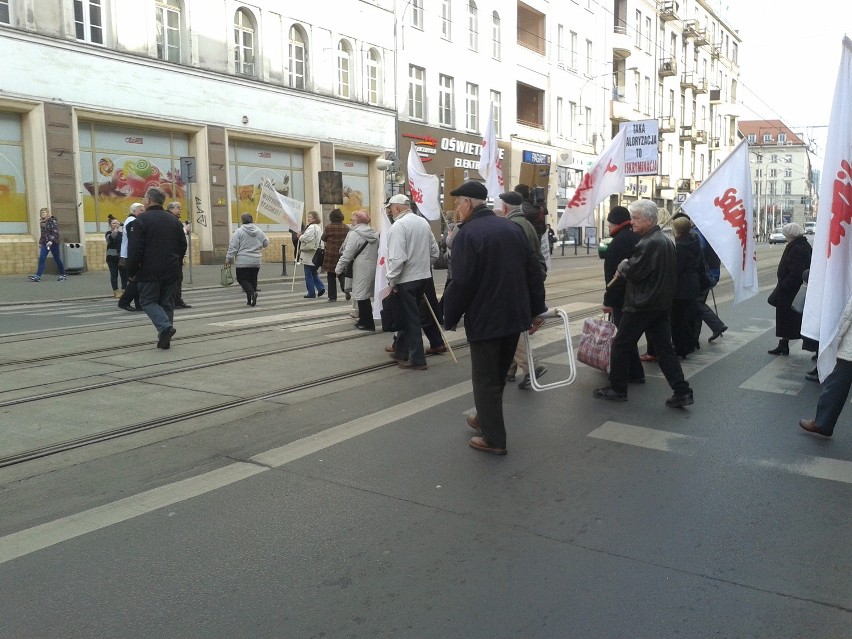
(641, 151)
(187, 170)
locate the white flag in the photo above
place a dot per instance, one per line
(380, 284)
(282, 209)
(490, 164)
(602, 180)
(721, 208)
(830, 279)
(425, 189)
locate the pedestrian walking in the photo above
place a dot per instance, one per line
(48, 242)
(650, 276)
(131, 291)
(333, 236)
(713, 266)
(155, 252)
(690, 266)
(497, 286)
(176, 209)
(795, 259)
(309, 242)
(245, 252)
(114, 238)
(358, 256)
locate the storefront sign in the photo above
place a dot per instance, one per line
(439, 151)
(531, 157)
(641, 150)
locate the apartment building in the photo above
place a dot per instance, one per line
(104, 98)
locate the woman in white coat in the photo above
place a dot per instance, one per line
(361, 250)
(309, 242)
(245, 251)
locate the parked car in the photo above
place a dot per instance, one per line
(777, 237)
(810, 228)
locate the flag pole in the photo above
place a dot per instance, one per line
(441, 330)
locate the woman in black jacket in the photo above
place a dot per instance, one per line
(690, 263)
(794, 261)
(113, 248)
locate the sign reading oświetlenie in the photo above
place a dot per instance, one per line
(641, 149)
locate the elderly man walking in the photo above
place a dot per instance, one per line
(497, 285)
(650, 276)
(155, 255)
(411, 251)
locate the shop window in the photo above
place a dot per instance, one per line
(168, 30)
(344, 69)
(13, 190)
(89, 21)
(250, 164)
(298, 58)
(355, 170)
(373, 76)
(244, 43)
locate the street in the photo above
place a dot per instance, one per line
(274, 475)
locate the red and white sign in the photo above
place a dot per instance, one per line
(425, 189)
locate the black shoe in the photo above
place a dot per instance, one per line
(253, 301)
(610, 394)
(321, 293)
(348, 296)
(717, 334)
(165, 340)
(127, 307)
(679, 401)
(636, 380)
(780, 350)
(812, 376)
(361, 327)
(526, 382)
(309, 297)
(182, 305)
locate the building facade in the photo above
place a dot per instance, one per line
(106, 97)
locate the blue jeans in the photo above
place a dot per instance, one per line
(409, 344)
(312, 280)
(833, 396)
(42, 258)
(158, 302)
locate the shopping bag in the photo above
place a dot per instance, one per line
(226, 278)
(319, 257)
(596, 343)
(391, 313)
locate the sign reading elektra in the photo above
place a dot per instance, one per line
(641, 150)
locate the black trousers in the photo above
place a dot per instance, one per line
(365, 314)
(489, 363)
(247, 278)
(131, 294)
(634, 363)
(333, 279)
(657, 326)
(179, 289)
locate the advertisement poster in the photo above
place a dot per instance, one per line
(13, 201)
(356, 184)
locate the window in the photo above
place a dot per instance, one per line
(495, 35)
(298, 60)
(588, 124)
(648, 98)
(372, 76)
(445, 100)
(638, 34)
(560, 45)
(417, 14)
(88, 21)
(649, 34)
(559, 130)
(773, 172)
(13, 213)
(344, 69)
(5, 16)
(637, 89)
(788, 158)
(573, 59)
(788, 173)
(671, 103)
(734, 51)
(243, 43)
(168, 30)
(752, 138)
(497, 101)
(416, 92)
(473, 26)
(447, 19)
(572, 120)
(530, 105)
(472, 108)
(589, 52)
(531, 26)
(782, 138)
(773, 158)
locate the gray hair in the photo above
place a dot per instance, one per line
(135, 207)
(172, 205)
(246, 218)
(511, 208)
(156, 195)
(645, 208)
(474, 202)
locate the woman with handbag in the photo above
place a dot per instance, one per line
(333, 236)
(309, 243)
(794, 261)
(358, 257)
(113, 250)
(245, 251)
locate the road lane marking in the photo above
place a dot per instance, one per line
(647, 438)
(812, 466)
(782, 375)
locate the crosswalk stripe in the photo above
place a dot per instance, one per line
(647, 438)
(812, 466)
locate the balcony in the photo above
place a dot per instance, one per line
(620, 111)
(700, 85)
(685, 185)
(687, 134)
(699, 136)
(714, 144)
(716, 51)
(701, 37)
(687, 81)
(715, 96)
(668, 11)
(690, 28)
(622, 45)
(668, 124)
(668, 67)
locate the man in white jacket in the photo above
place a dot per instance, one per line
(412, 250)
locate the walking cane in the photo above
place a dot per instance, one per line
(443, 335)
(295, 263)
(715, 310)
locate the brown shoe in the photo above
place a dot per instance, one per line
(811, 426)
(479, 443)
(473, 422)
(437, 350)
(389, 349)
(647, 358)
(404, 363)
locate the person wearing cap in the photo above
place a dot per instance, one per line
(624, 240)
(497, 286)
(412, 249)
(510, 208)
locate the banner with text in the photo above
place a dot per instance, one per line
(641, 148)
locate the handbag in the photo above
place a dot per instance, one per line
(319, 256)
(596, 343)
(348, 272)
(772, 300)
(391, 313)
(798, 304)
(226, 278)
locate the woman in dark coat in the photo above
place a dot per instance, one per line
(690, 263)
(794, 261)
(333, 236)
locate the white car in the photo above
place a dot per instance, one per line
(810, 228)
(777, 237)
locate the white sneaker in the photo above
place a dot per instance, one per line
(61, 278)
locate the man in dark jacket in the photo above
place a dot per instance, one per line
(624, 240)
(650, 275)
(497, 286)
(155, 253)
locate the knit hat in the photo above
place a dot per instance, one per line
(792, 230)
(618, 215)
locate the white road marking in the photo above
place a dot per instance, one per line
(648, 438)
(819, 467)
(280, 317)
(782, 375)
